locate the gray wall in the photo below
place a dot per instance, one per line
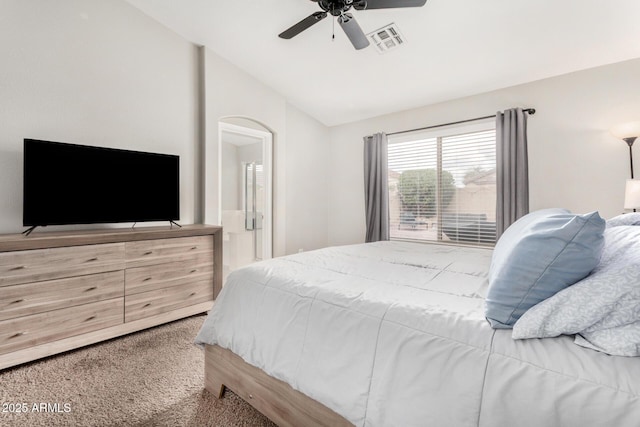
(97, 73)
(574, 162)
(308, 171)
(102, 73)
(299, 154)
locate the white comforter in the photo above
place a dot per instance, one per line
(393, 334)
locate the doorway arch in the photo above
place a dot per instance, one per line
(245, 190)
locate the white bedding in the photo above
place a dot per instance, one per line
(393, 334)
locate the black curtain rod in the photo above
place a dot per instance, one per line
(525, 110)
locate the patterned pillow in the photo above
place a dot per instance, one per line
(632, 218)
(603, 308)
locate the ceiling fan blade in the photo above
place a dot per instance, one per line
(353, 31)
(386, 4)
(302, 25)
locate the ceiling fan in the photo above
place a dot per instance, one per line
(346, 20)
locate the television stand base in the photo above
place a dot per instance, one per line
(171, 224)
(29, 230)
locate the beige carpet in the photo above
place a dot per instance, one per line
(150, 378)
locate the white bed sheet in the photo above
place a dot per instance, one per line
(393, 334)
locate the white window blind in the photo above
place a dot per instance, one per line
(442, 185)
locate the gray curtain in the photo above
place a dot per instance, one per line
(512, 173)
(376, 187)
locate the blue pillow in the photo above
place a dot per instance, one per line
(537, 256)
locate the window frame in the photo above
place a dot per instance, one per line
(439, 133)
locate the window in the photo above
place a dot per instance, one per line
(442, 185)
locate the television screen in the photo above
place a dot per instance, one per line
(78, 184)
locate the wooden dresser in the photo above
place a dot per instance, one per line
(64, 290)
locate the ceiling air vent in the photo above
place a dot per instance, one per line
(386, 38)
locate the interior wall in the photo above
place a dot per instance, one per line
(104, 74)
(300, 151)
(232, 93)
(574, 162)
(247, 154)
(250, 153)
(232, 171)
(231, 174)
(97, 73)
(307, 176)
(68, 76)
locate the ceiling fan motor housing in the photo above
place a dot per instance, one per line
(335, 7)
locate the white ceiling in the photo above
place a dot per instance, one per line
(455, 48)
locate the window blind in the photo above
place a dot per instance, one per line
(442, 187)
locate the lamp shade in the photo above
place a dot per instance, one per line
(632, 194)
(626, 130)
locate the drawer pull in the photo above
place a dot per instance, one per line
(92, 259)
(148, 253)
(20, 267)
(89, 318)
(146, 305)
(93, 288)
(192, 294)
(18, 301)
(16, 335)
(193, 248)
(193, 271)
(147, 279)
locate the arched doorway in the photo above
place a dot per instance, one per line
(245, 191)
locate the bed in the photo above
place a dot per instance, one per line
(395, 334)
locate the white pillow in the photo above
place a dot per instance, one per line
(632, 218)
(603, 308)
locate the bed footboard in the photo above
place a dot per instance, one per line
(276, 399)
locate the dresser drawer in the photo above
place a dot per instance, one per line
(149, 278)
(28, 331)
(46, 264)
(153, 252)
(147, 304)
(33, 298)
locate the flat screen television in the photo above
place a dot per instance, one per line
(79, 184)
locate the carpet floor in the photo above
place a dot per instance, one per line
(149, 378)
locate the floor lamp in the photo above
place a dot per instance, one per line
(628, 132)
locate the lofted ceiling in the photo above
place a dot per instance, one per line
(453, 49)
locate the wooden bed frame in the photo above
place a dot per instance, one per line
(276, 399)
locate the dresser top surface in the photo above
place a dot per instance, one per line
(43, 239)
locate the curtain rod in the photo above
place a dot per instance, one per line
(524, 110)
